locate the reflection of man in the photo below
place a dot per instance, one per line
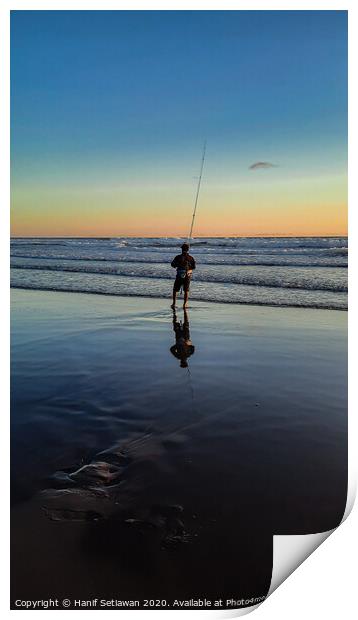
(183, 348)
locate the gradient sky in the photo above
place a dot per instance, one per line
(109, 111)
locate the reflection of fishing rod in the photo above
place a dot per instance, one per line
(197, 192)
(191, 386)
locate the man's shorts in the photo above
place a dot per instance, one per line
(182, 282)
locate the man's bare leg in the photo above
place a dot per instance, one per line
(186, 297)
(174, 298)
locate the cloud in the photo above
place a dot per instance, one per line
(258, 165)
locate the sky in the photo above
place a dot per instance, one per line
(110, 110)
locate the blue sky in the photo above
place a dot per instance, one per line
(109, 98)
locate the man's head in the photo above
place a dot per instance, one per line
(185, 248)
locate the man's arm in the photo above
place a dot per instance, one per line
(192, 264)
(174, 351)
(174, 262)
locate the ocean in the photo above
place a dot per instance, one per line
(308, 272)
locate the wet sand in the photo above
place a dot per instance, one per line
(135, 477)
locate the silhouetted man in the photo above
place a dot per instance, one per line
(184, 264)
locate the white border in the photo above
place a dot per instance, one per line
(327, 571)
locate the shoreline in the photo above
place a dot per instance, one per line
(204, 301)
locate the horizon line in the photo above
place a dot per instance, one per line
(254, 236)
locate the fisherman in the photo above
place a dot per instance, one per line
(183, 347)
(184, 264)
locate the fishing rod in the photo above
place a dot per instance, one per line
(197, 192)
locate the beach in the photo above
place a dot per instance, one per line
(135, 476)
